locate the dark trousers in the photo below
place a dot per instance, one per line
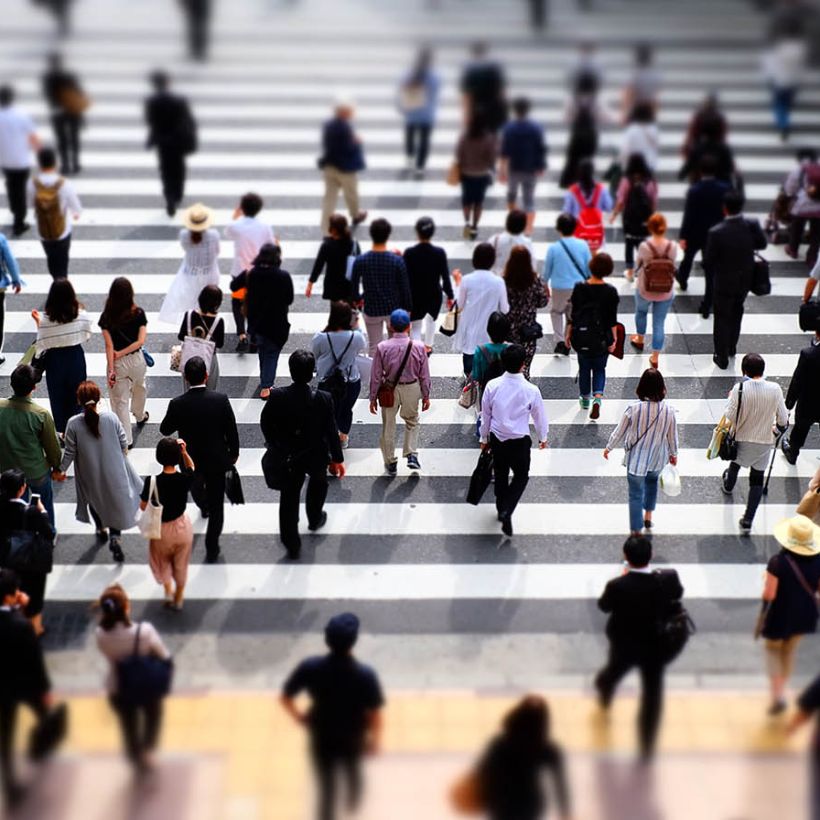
(2, 316)
(16, 181)
(328, 766)
(796, 228)
(198, 13)
(100, 525)
(756, 479)
(238, 316)
(685, 267)
(8, 727)
(208, 492)
(622, 660)
(726, 327)
(631, 244)
(65, 369)
(417, 142)
(512, 455)
(802, 425)
(57, 256)
(67, 134)
(172, 174)
(344, 409)
(139, 725)
(289, 503)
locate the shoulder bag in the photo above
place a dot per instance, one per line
(202, 346)
(449, 324)
(574, 261)
(150, 522)
(727, 450)
(387, 389)
(143, 679)
(675, 625)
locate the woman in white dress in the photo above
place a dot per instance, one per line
(199, 267)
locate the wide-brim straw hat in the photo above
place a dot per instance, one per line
(799, 535)
(198, 218)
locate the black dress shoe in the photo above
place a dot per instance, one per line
(791, 456)
(2, 359)
(116, 550)
(212, 556)
(203, 512)
(19, 230)
(319, 524)
(170, 209)
(703, 310)
(506, 525)
(721, 363)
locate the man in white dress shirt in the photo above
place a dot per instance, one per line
(506, 407)
(18, 136)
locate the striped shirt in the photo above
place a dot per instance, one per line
(761, 407)
(648, 432)
(68, 334)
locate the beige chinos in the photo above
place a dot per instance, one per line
(408, 397)
(129, 389)
(335, 180)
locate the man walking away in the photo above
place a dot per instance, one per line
(67, 104)
(342, 158)
(172, 131)
(55, 204)
(197, 14)
(506, 407)
(18, 137)
(205, 420)
(803, 393)
(403, 364)
(345, 718)
(729, 260)
(636, 603)
(300, 432)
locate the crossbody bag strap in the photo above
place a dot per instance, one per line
(801, 579)
(337, 362)
(739, 403)
(572, 259)
(403, 362)
(643, 435)
(136, 651)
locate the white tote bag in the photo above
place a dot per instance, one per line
(201, 346)
(150, 521)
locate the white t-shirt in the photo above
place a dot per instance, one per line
(15, 130)
(504, 243)
(69, 201)
(248, 235)
(641, 138)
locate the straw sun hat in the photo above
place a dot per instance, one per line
(198, 218)
(799, 535)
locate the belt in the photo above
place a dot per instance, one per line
(412, 382)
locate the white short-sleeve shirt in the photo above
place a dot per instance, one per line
(15, 129)
(248, 235)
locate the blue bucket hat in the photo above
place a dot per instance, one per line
(399, 319)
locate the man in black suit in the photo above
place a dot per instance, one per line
(172, 131)
(804, 393)
(702, 210)
(205, 419)
(24, 678)
(198, 14)
(637, 603)
(730, 257)
(299, 426)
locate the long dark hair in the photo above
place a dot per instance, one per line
(113, 604)
(420, 68)
(518, 272)
(119, 306)
(269, 256)
(340, 318)
(88, 397)
(62, 306)
(527, 724)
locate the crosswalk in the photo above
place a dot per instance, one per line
(408, 552)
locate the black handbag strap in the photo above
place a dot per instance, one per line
(572, 259)
(337, 362)
(403, 362)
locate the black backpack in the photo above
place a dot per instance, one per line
(637, 209)
(336, 383)
(589, 336)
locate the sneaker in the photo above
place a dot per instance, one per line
(392, 468)
(116, 550)
(413, 462)
(745, 526)
(584, 403)
(561, 349)
(595, 412)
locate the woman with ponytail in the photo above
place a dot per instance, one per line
(108, 486)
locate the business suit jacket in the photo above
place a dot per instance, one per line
(635, 603)
(703, 210)
(169, 119)
(206, 421)
(26, 677)
(299, 420)
(804, 388)
(729, 254)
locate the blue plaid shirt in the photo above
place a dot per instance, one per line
(383, 275)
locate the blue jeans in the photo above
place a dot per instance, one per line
(45, 490)
(782, 102)
(643, 495)
(592, 374)
(659, 313)
(268, 352)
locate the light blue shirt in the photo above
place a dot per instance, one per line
(426, 114)
(559, 271)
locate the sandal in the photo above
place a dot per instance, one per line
(636, 342)
(653, 361)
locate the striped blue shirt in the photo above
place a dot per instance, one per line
(649, 433)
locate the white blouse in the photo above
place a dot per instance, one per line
(200, 257)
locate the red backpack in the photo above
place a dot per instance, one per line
(590, 220)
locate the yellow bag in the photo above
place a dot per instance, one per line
(718, 434)
(465, 795)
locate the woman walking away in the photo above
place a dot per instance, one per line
(789, 609)
(107, 484)
(418, 102)
(332, 258)
(118, 637)
(641, 137)
(587, 200)
(170, 554)
(205, 323)
(124, 328)
(636, 200)
(429, 276)
(61, 334)
(512, 236)
(525, 294)
(15, 515)
(476, 155)
(591, 330)
(510, 773)
(655, 290)
(335, 349)
(199, 266)
(648, 432)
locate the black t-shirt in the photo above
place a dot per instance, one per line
(204, 323)
(793, 611)
(172, 489)
(343, 691)
(127, 332)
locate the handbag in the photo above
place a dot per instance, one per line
(29, 551)
(149, 359)
(810, 505)
(481, 477)
(620, 340)
(233, 486)
(466, 795)
(386, 395)
(150, 521)
(454, 173)
(469, 395)
(143, 679)
(48, 733)
(449, 324)
(727, 450)
(675, 626)
(355, 250)
(531, 332)
(718, 434)
(761, 282)
(670, 480)
(202, 346)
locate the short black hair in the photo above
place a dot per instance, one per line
(516, 221)
(521, 106)
(752, 365)
(802, 153)
(195, 371)
(733, 202)
(380, 230)
(160, 80)
(168, 452)
(47, 158)
(11, 482)
(425, 227)
(23, 380)
(9, 583)
(6, 95)
(302, 363)
(250, 204)
(483, 256)
(498, 327)
(210, 298)
(638, 551)
(601, 265)
(513, 358)
(565, 224)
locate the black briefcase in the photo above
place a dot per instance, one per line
(233, 486)
(48, 733)
(481, 477)
(761, 281)
(809, 316)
